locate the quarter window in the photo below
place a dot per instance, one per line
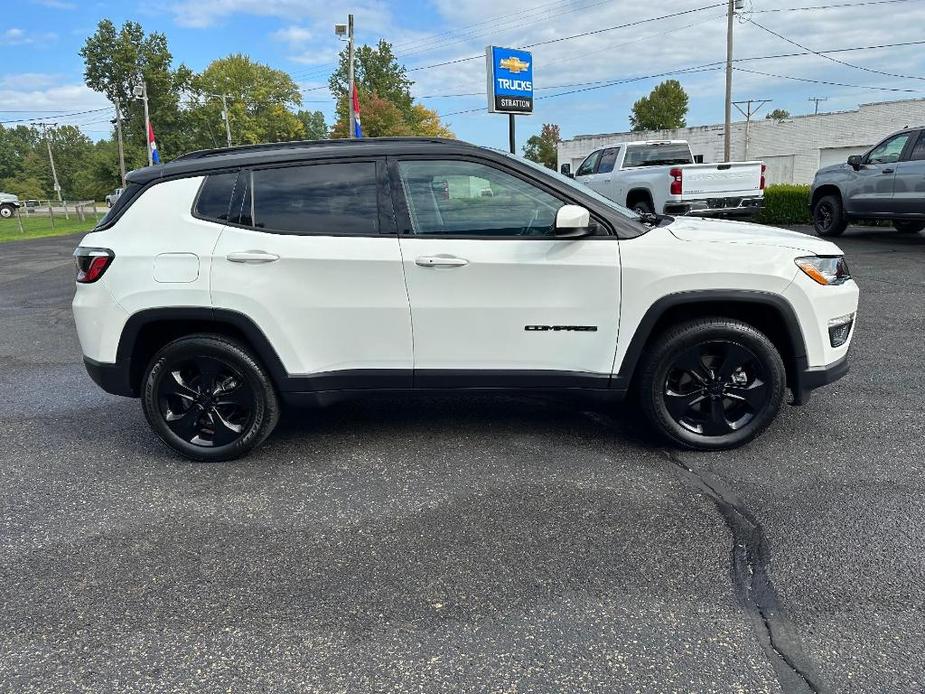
(889, 152)
(215, 196)
(334, 199)
(470, 199)
(587, 166)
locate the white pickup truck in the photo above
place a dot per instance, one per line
(661, 176)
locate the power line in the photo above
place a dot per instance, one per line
(66, 115)
(576, 36)
(834, 60)
(828, 7)
(834, 84)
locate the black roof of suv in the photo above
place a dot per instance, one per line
(248, 155)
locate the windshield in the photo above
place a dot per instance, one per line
(580, 187)
(657, 154)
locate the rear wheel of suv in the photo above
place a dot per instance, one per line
(208, 398)
(828, 216)
(712, 383)
(6, 211)
(904, 227)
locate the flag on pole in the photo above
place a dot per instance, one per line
(357, 130)
(155, 157)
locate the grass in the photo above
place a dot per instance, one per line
(37, 227)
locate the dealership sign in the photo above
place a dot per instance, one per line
(510, 80)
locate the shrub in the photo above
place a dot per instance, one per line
(785, 203)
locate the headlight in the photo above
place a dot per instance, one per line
(831, 269)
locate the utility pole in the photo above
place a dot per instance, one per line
(350, 76)
(727, 134)
(118, 121)
(748, 113)
(816, 100)
(51, 160)
(141, 92)
(225, 118)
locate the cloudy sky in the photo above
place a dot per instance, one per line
(586, 84)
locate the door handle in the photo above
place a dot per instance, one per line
(440, 261)
(887, 171)
(254, 257)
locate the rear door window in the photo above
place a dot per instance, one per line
(331, 199)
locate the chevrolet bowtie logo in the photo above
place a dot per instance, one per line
(513, 64)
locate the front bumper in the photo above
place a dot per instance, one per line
(717, 207)
(806, 379)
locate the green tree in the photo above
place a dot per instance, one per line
(376, 71)
(542, 148)
(313, 122)
(259, 101)
(778, 114)
(115, 61)
(665, 108)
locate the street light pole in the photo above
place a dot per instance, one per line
(350, 75)
(141, 92)
(225, 117)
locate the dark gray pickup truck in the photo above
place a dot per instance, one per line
(887, 182)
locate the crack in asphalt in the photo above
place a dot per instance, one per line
(752, 583)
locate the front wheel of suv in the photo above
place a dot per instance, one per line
(208, 398)
(828, 216)
(712, 383)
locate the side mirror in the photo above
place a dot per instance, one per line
(573, 222)
(854, 161)
(566, 170)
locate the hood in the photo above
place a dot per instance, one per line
(8, 197)
(831, 168)
(727, 231)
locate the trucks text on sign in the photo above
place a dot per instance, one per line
(510, 80)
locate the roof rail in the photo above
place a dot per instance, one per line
(294, 144)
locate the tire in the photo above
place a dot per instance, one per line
(643, 207)
(829, 216)
(904, 227)
(7, 211)
(712, 384)
(208, 398)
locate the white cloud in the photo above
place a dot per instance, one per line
(14, 36)
(46, 96)
(56, 4)
(293, 35)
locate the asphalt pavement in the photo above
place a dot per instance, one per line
(470, 544)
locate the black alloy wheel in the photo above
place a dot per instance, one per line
(711, 383)
(716, 388)
(209, 398)
(828, 219)
(205, 402)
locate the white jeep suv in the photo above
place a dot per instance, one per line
(232, 280)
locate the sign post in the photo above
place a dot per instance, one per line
(510, 84)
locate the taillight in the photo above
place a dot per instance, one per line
(764, 168)
(677, 181)
(92, 263)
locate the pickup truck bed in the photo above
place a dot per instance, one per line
(661, 177)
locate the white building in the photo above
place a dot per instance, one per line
(793, 149)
